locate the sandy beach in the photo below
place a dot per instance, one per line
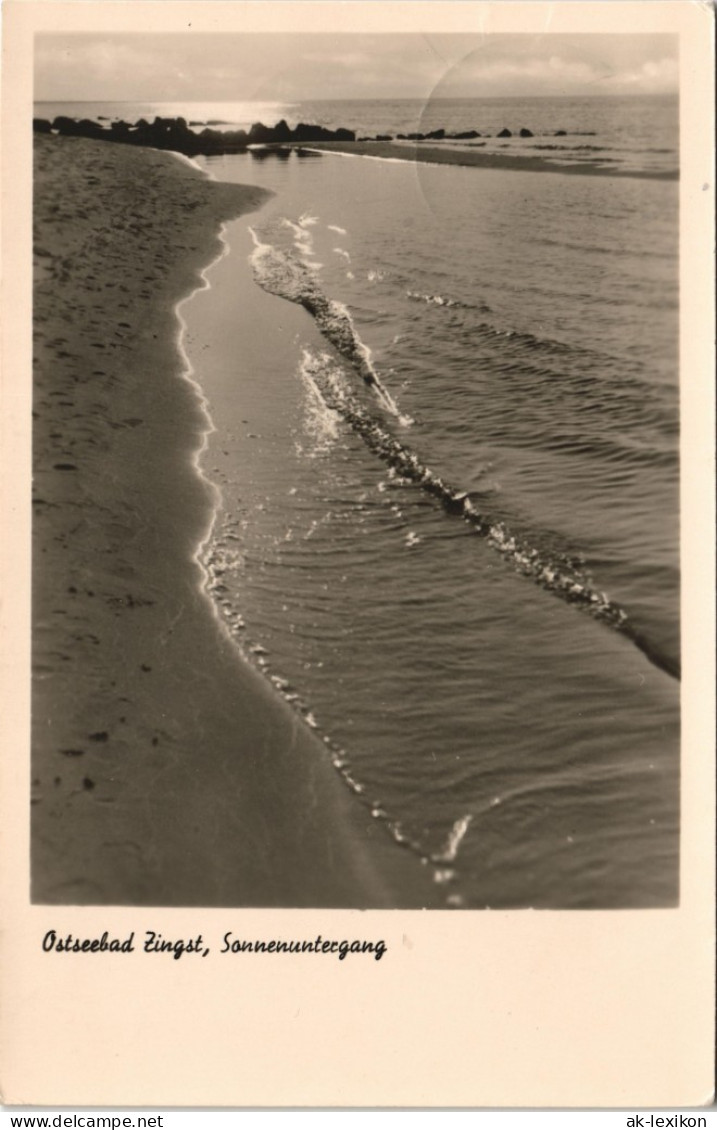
(165, 770)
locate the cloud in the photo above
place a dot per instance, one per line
(353, 60)
(292, 67)
(563, 65)
(551, 70)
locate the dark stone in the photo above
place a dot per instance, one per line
(436, 135)
(65, 125)
(305, 132)
(260, 152)
(505, 133)
(465, 136)
(231, 141)
(561, 133)
(526, 133)
(87, 128)
(165, 133)
(41, 125)
(282, 131)
(259, 134)
(454, 503)
(175, 134)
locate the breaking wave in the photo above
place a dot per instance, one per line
(556, 572)
(280, 273)
(450, 303)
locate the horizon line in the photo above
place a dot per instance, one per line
(381, 98)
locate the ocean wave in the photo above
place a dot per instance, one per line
(601, 249)
(432, 299)
(584, 360)
(278, 272)
(604, 381)
(574, 148)
(303, 242)
(321, 422)
(449, 303)
(562, 575)
(453, 843)
(219, 559)
(557, 573)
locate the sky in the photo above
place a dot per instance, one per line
(274, 67)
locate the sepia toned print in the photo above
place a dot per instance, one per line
(370, 547)
(358, 714)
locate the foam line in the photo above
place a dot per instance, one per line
(278, 272)
(559, 575)
(193, 165)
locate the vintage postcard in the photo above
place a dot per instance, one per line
(358, 648)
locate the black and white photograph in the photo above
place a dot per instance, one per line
(356, 436)
(358, 477)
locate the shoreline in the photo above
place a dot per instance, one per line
(434, 155)
(189, 375)
(165, 770)
(437, 147)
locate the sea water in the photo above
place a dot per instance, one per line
(446, 415)
(638, 133)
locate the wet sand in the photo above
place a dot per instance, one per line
(445, 154)
(165, 771)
